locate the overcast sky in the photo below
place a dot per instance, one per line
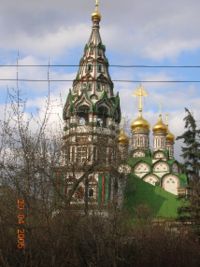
(150, 32)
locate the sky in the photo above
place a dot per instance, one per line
(141, 32)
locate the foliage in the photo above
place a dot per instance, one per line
(58, 235)
(75, 240)
(191, 148)
(191, 155)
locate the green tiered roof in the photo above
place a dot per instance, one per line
(161, 203)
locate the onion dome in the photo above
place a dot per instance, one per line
(170, 137)
(122, 138)
(96, 16)
(140, 124)
(160, 127)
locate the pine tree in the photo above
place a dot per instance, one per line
(191, 155)
(191, 148)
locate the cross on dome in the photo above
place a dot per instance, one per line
(140, 93)
(97, 5)
(167, 119)
(96, 14)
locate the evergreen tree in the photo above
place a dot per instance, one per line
(191, 148)
(191, 155)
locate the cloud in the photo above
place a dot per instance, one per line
(31, 89)
(48, 44)
(133, 31)
(154, 29)
(151, 29)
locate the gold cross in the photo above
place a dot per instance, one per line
(97, 5)
(140, 93)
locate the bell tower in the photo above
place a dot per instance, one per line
(92, 115)
(169, 141)
(140, 128)
(159, 133)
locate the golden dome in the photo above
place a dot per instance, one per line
(122, 138)
(160, 126)
(96, 16)
(140, 124)
(170, 136)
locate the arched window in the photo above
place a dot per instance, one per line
(102, 115)
(82, 114)
(100, 68)
(99, 122)
(82, 121)
(89, 67)
(90, 192)
(98, 87)
(89, 86)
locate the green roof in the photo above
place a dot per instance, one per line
(171, 161)
(161, 203)
(133, 161)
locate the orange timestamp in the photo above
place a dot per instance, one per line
(20, 222)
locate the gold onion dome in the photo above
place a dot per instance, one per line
(96, 16)
(160, 126)
(170, 137)
(122, 138)
(140, 124)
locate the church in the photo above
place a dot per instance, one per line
(98, 155)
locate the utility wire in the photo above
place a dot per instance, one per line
(112, 65)
(120, 81)
(114, 80)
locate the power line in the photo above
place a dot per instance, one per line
(111, 65)
(120, 81)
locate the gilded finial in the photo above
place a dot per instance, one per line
(97, 6)
(96, 14)
(140, 93)
(123, 138)
(167, 119)
(170, 137)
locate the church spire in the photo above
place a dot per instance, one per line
(169, 140)
(95, 37)
(93, 85)
(92, 115)
(93, 75)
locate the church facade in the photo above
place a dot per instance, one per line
(157, 165)
(96, 150)
(92, 115)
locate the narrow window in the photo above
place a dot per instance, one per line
(98, 87)
(89, 67)
(91, 192)
(73, 153)
(99, 68)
